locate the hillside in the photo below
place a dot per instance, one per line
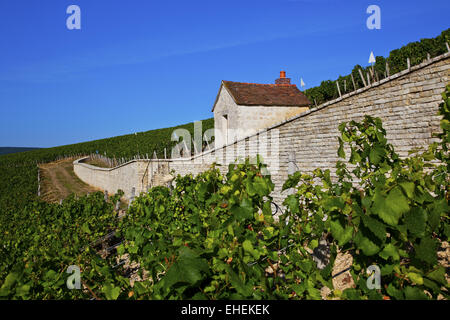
(396, 61)
(213, 236)
(18, 183)
(19, 170)
(8, 150)
(58, 181)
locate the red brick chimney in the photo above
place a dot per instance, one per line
(282, 79)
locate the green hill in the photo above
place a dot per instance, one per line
(417, 52)
(197, 242)
(18, 171)
(8, 150)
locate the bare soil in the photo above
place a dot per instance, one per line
(58, 181)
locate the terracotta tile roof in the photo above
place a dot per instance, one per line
(255, 94)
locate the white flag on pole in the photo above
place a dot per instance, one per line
(371, 58)
(302, 84)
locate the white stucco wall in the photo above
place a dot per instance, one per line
(225, 106)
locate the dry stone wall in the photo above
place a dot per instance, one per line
(407, 103)
(125, 177)
(137, 175)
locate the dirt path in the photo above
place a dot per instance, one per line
(58, 181)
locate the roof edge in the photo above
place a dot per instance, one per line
(223, 85)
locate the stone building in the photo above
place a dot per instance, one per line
(242, 109)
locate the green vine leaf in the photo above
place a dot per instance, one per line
(390, 251)
(340, 234)
(414, 293)
(426, 250)
(374, 225)
(366, 245)
(415, 221)
(394, 292)
(408, 187)
(111, 292)
(438, 275)
(391, 208)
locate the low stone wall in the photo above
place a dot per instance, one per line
(139, 175)
(124, 177)
(407, 103)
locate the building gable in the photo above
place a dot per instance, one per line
(223, 96)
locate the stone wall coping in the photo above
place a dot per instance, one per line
(92, 167)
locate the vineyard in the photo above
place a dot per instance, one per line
(416, 52)
(18, 183)
(214, 236)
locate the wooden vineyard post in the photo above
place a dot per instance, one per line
(339, 89)
(362, 77)
(39, 183)
(354, 84)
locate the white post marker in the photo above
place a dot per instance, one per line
(372, 61)
(372, 58)
(302, 84)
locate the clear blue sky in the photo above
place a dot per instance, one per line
(138, 65)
